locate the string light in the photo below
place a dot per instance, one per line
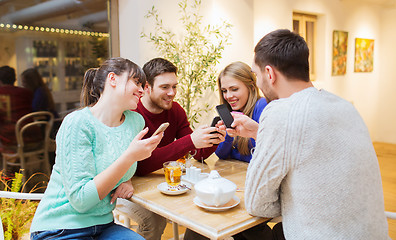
(52, 30)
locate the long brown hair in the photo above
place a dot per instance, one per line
(32, 80)
(241, 72)
(95, 78)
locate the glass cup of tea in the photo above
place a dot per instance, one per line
(173, 173)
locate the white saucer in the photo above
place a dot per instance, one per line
(164, 188)
(232, 203)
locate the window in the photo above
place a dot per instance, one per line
(60, 42)
(305, 26)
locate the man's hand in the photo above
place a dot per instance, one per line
(243, 126)
(203, 138)
(124, 190)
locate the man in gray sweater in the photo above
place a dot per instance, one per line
(314, 163)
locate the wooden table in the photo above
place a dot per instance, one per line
(180, 209)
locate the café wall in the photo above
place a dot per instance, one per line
(386, 104)
(132, 22)
(371, 93)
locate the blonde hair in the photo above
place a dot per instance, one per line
(241, 72)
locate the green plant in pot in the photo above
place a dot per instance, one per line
(16, 215)
(196, 53)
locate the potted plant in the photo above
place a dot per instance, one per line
(195, 53)
(16, 215)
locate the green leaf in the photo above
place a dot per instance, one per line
(195, 50)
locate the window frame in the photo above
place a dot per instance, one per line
(303, 19)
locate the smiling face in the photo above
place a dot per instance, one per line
(235, 92)
(162, 93)
(131, 90)
(135, 89)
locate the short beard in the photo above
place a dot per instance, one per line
(160, 106)
(270, 96)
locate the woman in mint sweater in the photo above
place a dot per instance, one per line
(238, 89)
(98, 148)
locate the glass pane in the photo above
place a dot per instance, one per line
(60, 42)
(309, 33)
(310, 42)
(296, 26)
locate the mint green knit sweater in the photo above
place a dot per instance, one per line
(85, 147)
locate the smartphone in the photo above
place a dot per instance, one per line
(161, 128)
(214, 121)
(225, 114)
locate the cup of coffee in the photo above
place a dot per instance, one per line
(173, 173)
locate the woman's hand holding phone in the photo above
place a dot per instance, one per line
(140, 149)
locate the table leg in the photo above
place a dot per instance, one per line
(175, 231)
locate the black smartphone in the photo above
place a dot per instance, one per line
(214, 121)
(225, 114)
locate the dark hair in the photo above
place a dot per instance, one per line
(157, 66)
(32, 80)
(7, 75)
(286, 51)
(95, 78)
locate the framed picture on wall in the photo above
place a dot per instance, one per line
(364, 55)
(340, 47)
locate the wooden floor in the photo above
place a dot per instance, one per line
(387, 160)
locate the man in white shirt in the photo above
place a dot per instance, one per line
(314, 163)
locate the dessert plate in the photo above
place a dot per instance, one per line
(232, 203)
(182, 188)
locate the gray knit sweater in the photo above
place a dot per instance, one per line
(315, 165)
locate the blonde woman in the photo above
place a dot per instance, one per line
(238, 89)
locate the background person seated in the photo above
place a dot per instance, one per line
(42, 101)
(42, 97)
(15, 103)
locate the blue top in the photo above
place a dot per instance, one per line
(84, 148)
(40, 102)
(226, 150)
